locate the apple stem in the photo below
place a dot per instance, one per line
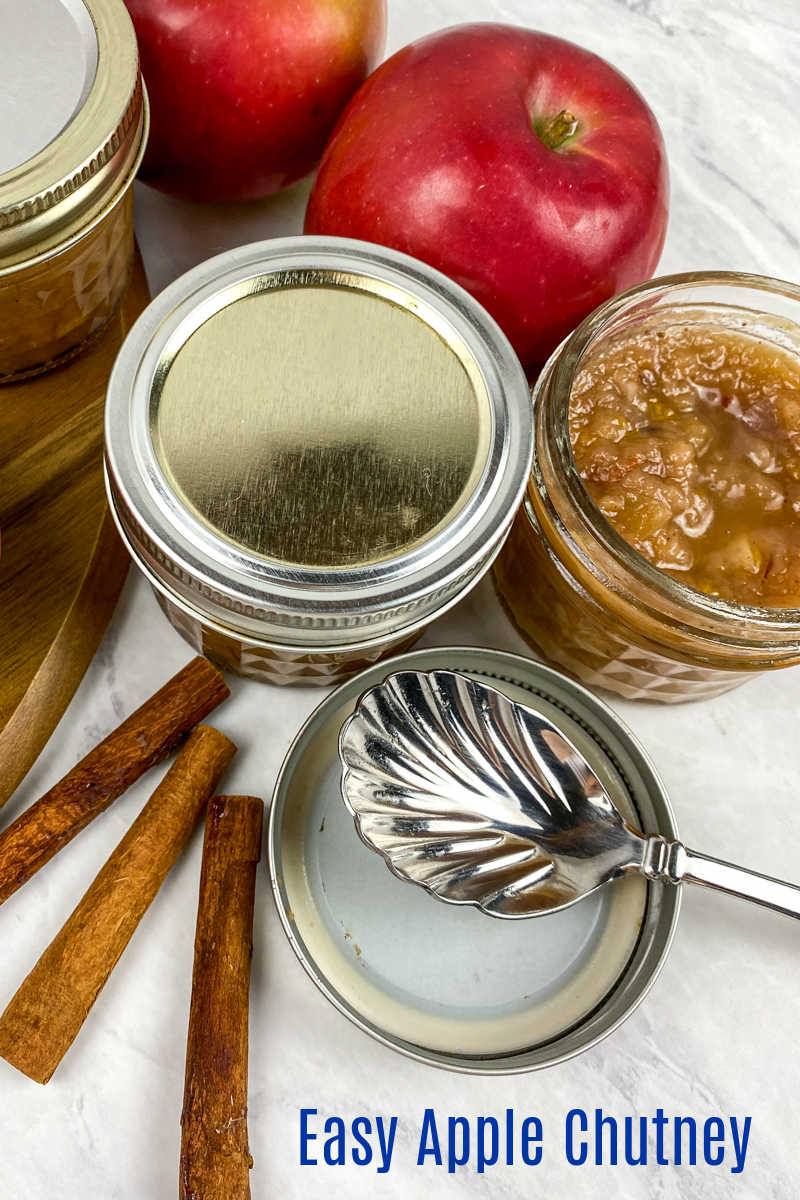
(555, 131)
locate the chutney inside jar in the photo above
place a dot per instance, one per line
(687, 438)
(73, 129)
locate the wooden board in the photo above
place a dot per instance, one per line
(62, 565)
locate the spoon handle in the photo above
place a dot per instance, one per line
(672, 862)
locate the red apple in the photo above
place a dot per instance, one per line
(526, 168)
(245, 93)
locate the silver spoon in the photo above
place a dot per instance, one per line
(484, 801)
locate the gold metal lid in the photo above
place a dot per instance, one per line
(321, 424)
(80, 146)
(315, 440)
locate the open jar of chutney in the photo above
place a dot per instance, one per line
(657, 551)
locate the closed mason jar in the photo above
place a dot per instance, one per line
(314, 447)
(73, 129)
(574, 588)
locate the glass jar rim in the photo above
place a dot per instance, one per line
(559, 372)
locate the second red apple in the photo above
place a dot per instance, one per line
(524, 167)
(243, 93)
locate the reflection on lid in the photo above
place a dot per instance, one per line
(48, 59)
(321, 426)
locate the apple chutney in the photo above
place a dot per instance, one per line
(657, 554)
(73, 126)
(314, 447)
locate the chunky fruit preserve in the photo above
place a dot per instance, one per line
(657, 553)
(687, 438)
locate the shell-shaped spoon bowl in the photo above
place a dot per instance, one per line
(479, 799)
(483, 801)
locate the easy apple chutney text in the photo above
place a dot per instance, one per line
(688, 440)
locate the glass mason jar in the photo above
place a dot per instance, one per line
(73, 129)
(314, 447)
(575, 589)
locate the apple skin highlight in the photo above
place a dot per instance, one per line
(527, 169)
(244, 94)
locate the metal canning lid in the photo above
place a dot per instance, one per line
(315, 441)
(448, 985)
(72, 119)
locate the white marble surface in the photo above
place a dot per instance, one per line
(718, 1033)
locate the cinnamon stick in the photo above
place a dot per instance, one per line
(145, 738)
(44, 1017)
(215, 1158)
